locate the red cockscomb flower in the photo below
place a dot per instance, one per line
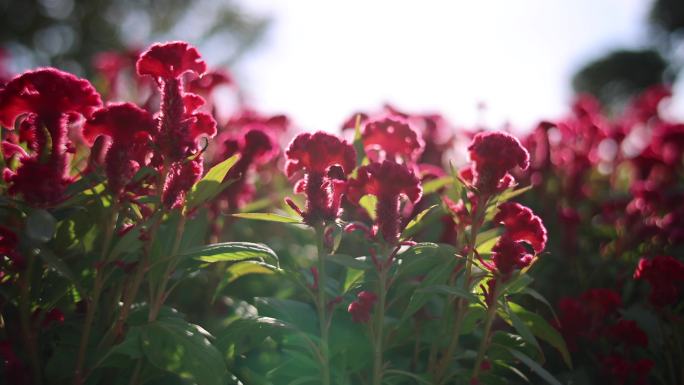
(629, 333)
(179, 123)
(182, 176)
(387, 181)
(393, 138)
(360, 309)
(256, 147)
(494, 155)
(170, 61)
(130, 128)
(50, 97)
(325, 161)
(522, 226)
(665, 274)
(206, 83)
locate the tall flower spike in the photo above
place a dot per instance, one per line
(494, 155)
(387, 181)
(522, 226)
(130, 128)
(179, 123)
(394, 138)
(256, 147)
(49, 97)
(325, 161)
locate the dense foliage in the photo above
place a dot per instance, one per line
(156, 241)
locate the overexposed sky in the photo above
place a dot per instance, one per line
(322, 60)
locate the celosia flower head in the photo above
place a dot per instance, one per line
(48, 93)
(665, 274)
(170, 61)
(361, 309)
(521, 226)
(179, 122)
(388, 181)
(393, 137)
(256, 147)
(49, 97)
(130, 128)
(325, 161)
(315, 153)
(494, 155)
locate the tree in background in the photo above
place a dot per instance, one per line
(617, 76)
(67, 33)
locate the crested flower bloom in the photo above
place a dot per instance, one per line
(179, 122)
(325, 161)
(665, 274)
(588, 315)
(182, 176)
(629, 333)
(361, 309)
(391, 138)
(521, 227)
(388, 181)
(130, 129)
(256, 147)
(620, 370)
(50, 98)
(495, 154)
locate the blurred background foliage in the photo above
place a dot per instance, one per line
(621, 74)
(68, 33)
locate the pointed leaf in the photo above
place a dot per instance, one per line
(268, 217)
(211, 184)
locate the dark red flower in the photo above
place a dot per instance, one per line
(49, 97)
(629, 333)
(393, 138)
(205, 84)
(388, 181)
(363, 306)
(8, 241)
(182, 176)
(602, 302)
(130, 128)
(350, 123)
(325, 161)
(170, 60)
(665, 274)
(256, 147)
(494, 155)
(621, 370)
(179, 122)
(522, 226)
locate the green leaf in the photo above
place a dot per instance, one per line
(511, 193)
(231, 252)
(369, 203)
(56, 263)
(522, 329)
(40, 226)
(543, 373)
(184, 349)
(211, 184)
(352, 278)
(415, 377)
(415, 224)
(268, 217)
(436, 184)
(517, 284)
(446, 289)
(541, 329)
(349, 261)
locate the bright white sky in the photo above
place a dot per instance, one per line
(322, 60)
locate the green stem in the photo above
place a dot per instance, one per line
(95, 298)
(461, 304)
(158, 300)
(321, 306)
(491, 314)
(25, 319)
(379, 328)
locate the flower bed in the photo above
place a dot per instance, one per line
(156, 241)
